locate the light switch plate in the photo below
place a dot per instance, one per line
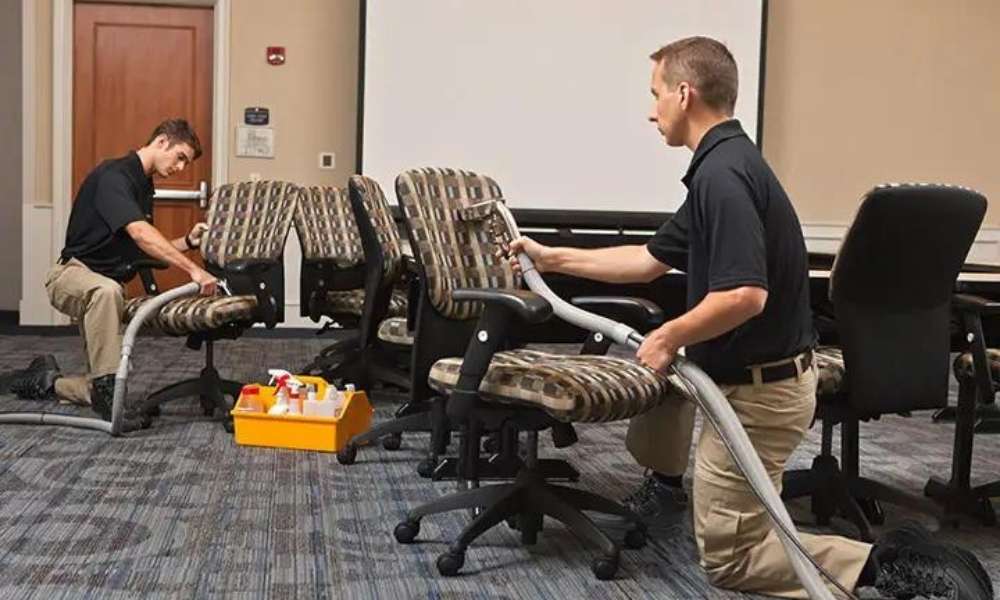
(327, 160)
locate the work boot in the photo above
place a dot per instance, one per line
(926, 569)
(35, 382)
(912, 533)
(660, 507)
(36, 363)
(657, 503)
(102, 393)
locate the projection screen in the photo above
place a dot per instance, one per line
(551, 98)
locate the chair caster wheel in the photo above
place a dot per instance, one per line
(605, 567)
(450, 563)
(228, 426)
(393, 441)
(426, 468)
(635, 539)
(348, 454)
(406, 531)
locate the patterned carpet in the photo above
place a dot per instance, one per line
(180, 511)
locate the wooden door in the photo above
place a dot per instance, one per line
(133, 67)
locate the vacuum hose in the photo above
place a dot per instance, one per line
(714, 406)
(148, 309)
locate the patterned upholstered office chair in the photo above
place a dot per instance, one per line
(454, 236)
(247, 227)
(332, 281)
(891, 288)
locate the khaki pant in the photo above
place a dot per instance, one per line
(96, 303)
(738, 548)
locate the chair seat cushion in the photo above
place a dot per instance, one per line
(394, 331)
(351, 302)
(570, 388)
(964, 367)
(195, 313)
(830, 372)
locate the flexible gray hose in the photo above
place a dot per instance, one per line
(118, 403)
(148, 309)
(714, 406)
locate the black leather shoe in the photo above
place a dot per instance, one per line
(37, 381)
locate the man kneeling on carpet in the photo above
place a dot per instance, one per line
(749, 327)
(109, 227)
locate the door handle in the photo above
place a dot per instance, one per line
(201, 195)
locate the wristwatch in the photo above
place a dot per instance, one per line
(187, 240)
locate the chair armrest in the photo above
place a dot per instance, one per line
(637, 312)
(248, 277)
(967, 303)
(141, 267)
(526, 305)
(504, 308)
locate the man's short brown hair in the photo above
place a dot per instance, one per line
(178, 131)
(704, 63)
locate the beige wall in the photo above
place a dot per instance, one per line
(860, 92)
(10, 168)
(312, 97)
(43, 104)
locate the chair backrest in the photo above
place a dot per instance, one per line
(453, 252)
(383, 251)
(891, 288)
(249, 221)
(326, 227)
(371, 208)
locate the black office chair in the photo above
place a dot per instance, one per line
(455, 237)
(891, 289)
(978, 373)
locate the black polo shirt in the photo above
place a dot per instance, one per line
(116, 193)
(737, 228)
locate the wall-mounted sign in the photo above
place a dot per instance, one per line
(256, 115)
(255, 142)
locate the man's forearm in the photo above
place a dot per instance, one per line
(153, 243)
(180, 244)
(616, 264)
(716, 314)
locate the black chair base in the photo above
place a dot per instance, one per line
(987, 417)
(858, 499)
(501, 468)
(210, 388)
(969, 502)
(525, 502)
(831, 494)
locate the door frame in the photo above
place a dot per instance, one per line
(62, 100)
